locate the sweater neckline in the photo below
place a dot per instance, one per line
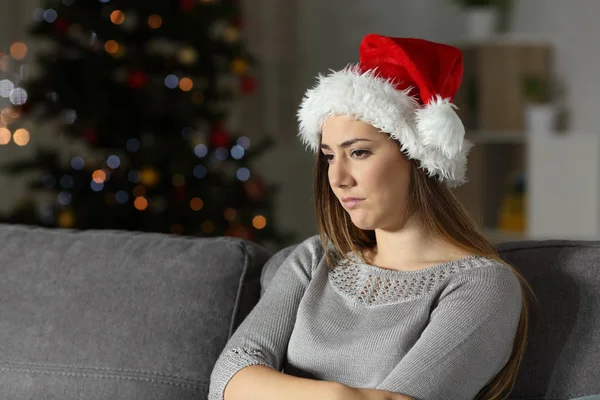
(473, 260)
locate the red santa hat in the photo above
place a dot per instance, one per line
(404, 87)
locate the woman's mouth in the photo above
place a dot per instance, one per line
(351, 202)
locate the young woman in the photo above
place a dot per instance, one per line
(399, 296)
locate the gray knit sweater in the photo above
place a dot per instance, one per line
(437, 333)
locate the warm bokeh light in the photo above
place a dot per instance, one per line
(231, 34)
(117, 17)
(187, 55)
(229, 214)
(178, 180)
(259, 222)
(111, 47)
(155, 21)
(186, 84)
(207, 226)
(66, 219)
(99, 176)
(8, 115)
(149, 177)
(120, 51)
(239, 66)
(21, 137)
(140, 203)
(18, 50)
(139, 191)
(14, 112)
(196, 204)
(4, 136)
(3, 61)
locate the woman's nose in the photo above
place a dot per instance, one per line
(339, 174)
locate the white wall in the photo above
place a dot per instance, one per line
(572, 27)
(330, 31)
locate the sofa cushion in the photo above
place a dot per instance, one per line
(561, 360)
(118, 315)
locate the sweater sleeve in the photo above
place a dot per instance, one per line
(262, 338)
(467, 341)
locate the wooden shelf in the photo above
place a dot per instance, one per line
(558, 171)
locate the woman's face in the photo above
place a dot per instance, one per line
(366, 165)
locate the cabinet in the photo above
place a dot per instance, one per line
(556, 169)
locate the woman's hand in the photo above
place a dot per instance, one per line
(350, 393)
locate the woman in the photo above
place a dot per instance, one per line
(399, 296)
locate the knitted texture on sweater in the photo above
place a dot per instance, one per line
(437, 333)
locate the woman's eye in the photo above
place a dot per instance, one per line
(354, 153)
(360, 153)
(327, 157)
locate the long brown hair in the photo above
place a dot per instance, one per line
(443, 216)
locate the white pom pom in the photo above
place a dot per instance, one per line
(439, 126)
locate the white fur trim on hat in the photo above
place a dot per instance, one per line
(432, 134)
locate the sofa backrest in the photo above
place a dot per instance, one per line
(562, 359)
(118, 315)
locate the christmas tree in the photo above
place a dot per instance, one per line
(147, 86)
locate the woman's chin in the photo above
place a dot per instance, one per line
(362, 223)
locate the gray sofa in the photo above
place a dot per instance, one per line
(121, 315)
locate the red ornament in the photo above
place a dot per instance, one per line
(219, 138)
(90, 135)
(186, 5)
(137, 79)
(61, 25)
(248, 84)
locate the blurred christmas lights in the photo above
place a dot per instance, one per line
(171, 81)
(77, 163)
(117, 17)
(244, 142)
(155, 21)
(259, 222)
(196, 204)
(5, 136)
(243, 174)
(201, 151)
(50, 15)
(186, 84)
(237, 152)
(21, 137)
(18, 50)
(140, 203)
(113, 161)
(200, 171)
